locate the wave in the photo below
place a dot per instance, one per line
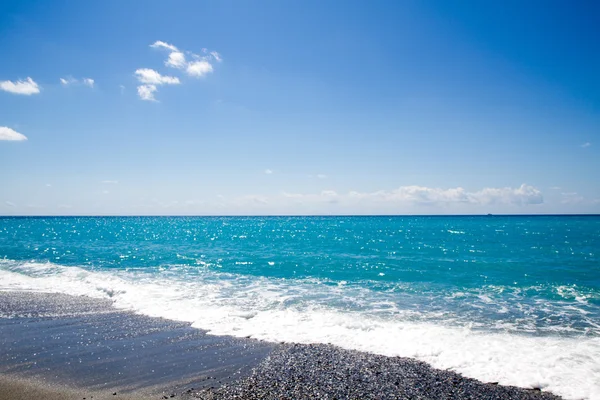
(313, 311)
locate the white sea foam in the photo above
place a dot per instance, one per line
(283, 310)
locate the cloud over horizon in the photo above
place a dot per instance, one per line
(26, 87)
(425, 196)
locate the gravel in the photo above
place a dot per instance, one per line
(328, 372)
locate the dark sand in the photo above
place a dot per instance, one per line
(86, 344)
(64, 347)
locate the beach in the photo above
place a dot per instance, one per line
(57, 346)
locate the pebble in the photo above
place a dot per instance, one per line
(319, 371)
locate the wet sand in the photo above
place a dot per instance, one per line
(65, 347)
(76, 342)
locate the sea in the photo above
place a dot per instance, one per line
(507, 299)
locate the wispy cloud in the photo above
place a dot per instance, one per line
(70, 81)
(10, 203)
(268, 171)
(26, 87)
(572, 198)
(109, 182)
(7, 133)
(251, 199)
(321, 176)
(326, 196)
(161, 44)
(586, 144)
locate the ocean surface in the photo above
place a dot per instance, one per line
(508, 299)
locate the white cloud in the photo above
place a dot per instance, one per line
(522, 195)
(322, 176)
(10, 203)
(146, 92)
(88, 82)
(586, 144)
(26, 87)
(152, 77)
(48, 185)
(268, 171)
(199, 68)
(8, 134)
(176, 59)
(159, 44)
(108, 182)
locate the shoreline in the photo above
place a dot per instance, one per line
(74, 347)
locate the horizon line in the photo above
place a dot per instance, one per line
(296, 215)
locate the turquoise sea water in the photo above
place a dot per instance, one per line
(514, 299)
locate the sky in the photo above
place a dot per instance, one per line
(299, 107)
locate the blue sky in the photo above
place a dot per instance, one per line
(299, 107)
